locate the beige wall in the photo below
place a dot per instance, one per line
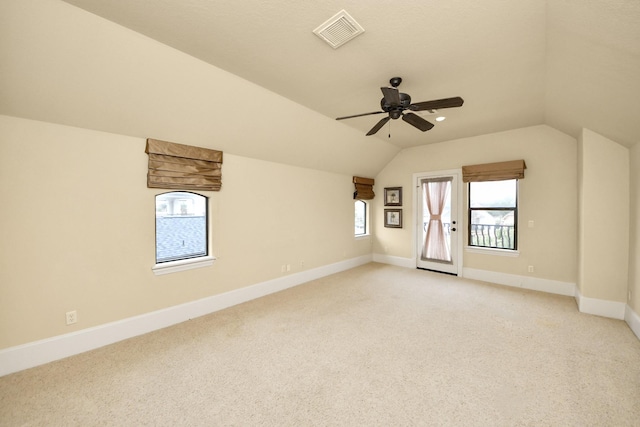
(78, 229)
(80, 236)
(634, 232)
(604, 218)
(61, 64)
(548, 196)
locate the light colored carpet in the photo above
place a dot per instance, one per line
(374, 346)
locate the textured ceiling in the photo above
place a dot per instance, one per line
(566, 63)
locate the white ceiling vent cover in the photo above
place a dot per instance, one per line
(339, 29)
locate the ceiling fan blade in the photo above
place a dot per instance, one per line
(391, 95)
(359, 115)
(417, 121)
(437, 104)
(378, 126)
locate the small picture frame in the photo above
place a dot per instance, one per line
(393, 218)
(393, 196)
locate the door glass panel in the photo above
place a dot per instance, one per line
(437, 242)
(436, 220)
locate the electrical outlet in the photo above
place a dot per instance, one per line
(530, 269)
(72, 317)
(288, 267)
(283, 269)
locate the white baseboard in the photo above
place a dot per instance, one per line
(600, 307)
(633, 320)
(395, 260)
(525, 282)
(36, 353)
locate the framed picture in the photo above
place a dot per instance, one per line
(393, 218)
(393, 196)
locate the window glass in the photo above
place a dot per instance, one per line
(493, 193)
(181, 226)
(361, 217)
(493, 214)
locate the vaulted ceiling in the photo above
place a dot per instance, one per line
(566, 63)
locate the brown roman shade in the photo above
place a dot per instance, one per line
(183, 167)
(513, 169)
(364, 188)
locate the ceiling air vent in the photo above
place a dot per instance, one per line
(339, 29)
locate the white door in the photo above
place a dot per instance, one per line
(438, 231)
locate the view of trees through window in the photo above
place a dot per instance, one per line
(493, 214)
(181, 226)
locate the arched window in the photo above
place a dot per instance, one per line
(361, 217)
(181, 226)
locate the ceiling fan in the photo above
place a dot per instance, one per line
(395, 103)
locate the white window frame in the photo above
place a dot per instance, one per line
(488, 250)
(366, 219)
(187, 263)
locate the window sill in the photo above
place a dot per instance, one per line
(362, 236)
(182, 265)
(492, 251)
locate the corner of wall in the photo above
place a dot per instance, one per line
(603, 186)
(633, 320)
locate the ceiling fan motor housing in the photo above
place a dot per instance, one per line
(396, 110)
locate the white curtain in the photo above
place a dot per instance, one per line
(436, 245)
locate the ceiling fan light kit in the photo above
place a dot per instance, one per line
(394, 103)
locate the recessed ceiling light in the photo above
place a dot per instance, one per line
(441, 118)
